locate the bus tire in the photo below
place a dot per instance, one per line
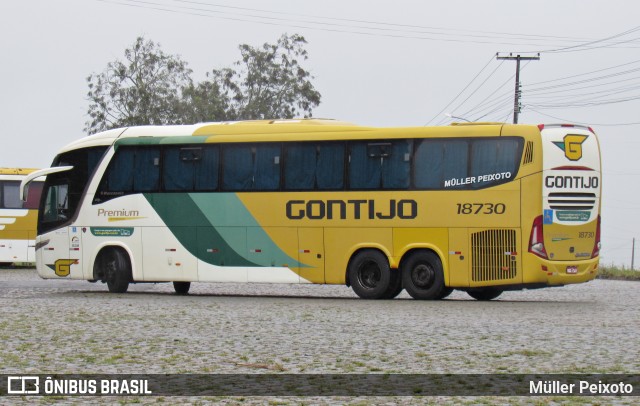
(181, 288)
(422, 276)
(485, 293)
(116, 268)
(395, 286)
(370, 274)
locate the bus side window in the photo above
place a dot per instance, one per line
(251, 167)
(300, 166)
(380, 165)
(494, 156)
(364, 166)
(119, 174)
(330, 166)
(396, 165)
(131, 170)
(267, 167)
(11, 195)
(313, 165)
(189, 169)
(178, 169)
(437, 161)
(146, 176)
(207, 169)
(237, 167)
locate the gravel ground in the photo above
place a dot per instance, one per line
(77, 327)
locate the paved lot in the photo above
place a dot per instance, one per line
(78, 327)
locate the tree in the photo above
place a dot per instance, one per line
(270, 82)
(144, 89)
(151, 87)
(204, 102)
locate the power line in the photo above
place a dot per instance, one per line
(462, 91)
(588, 80)
(588, 103)
(585, 46)
(515, 35)
(583, 123)
(586, 73)
(479, 86)
(481, 104)
(476, 37)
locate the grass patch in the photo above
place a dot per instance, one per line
(616, 273)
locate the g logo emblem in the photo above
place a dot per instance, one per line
(572, 146)
(63, 266)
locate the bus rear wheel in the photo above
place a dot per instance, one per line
(422, 276)
(395, 285)
(369, 274)
(116, 269)
(181, 288)
(485, 294)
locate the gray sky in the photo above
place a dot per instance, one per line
(377, 63)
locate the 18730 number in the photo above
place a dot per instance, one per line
(481, 208)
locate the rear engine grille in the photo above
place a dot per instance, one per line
(493, 255)
(572, 201)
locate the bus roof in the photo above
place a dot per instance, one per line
(290, 129)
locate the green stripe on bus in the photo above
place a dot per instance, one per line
(215, 227)
(177, 140)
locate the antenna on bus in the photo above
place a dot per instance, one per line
(456, 117)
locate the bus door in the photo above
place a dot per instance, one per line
(59, 257)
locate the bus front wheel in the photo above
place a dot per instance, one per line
(422, 276)
(116, 269)
(369, 274)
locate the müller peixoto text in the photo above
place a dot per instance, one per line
(579, 388)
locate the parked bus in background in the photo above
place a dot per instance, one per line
(478, 207)
(17, 218)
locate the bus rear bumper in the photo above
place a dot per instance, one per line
(568, 272)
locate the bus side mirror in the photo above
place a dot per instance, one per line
(24, 185)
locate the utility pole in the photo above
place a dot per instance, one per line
(633, 252)
(517, 58)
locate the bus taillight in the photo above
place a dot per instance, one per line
(536, 240)
(596, 245)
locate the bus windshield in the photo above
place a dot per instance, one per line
(63, 190)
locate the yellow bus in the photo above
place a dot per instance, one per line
(481, 208)
(17, 218)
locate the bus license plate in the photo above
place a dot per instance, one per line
(572, 270)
